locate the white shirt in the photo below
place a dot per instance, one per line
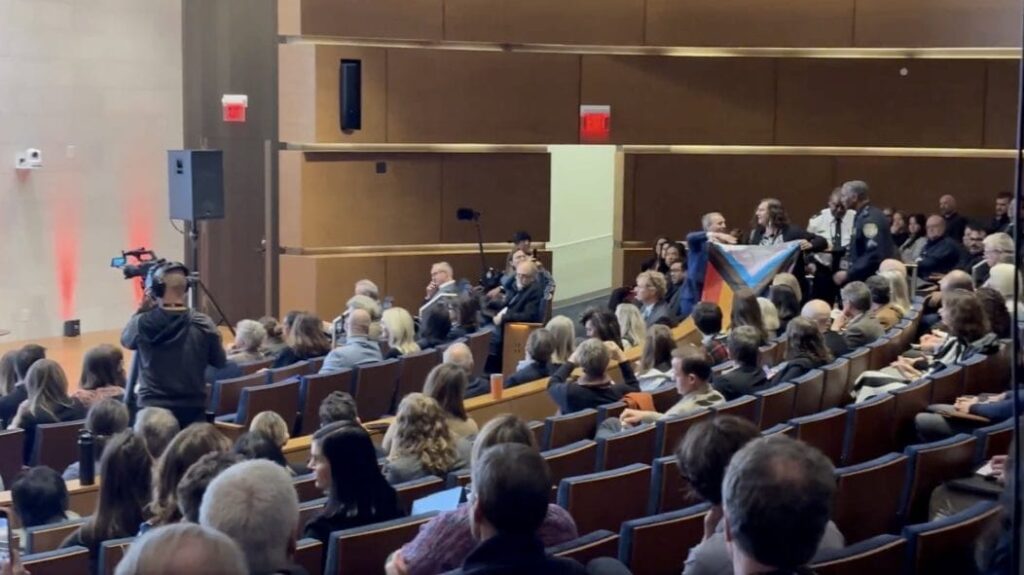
(823, 224)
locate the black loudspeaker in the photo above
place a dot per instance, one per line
(350, 89)
(195, 181)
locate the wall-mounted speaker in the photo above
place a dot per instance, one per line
(350, 90)
(195, 182)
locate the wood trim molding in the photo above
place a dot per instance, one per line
(406, 250)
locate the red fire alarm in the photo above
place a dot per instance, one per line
(234, 106)
(595, 124)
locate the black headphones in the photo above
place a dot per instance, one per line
(155, 279)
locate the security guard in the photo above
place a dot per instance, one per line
(872, 241)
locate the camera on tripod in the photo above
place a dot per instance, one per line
(144, 262)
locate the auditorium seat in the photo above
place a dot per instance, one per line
(49, 537)
(669, 489)
(297, 369)
(375, 385)
(823, 430)
(312, 391)
(251, 367)
(880, 555)
(513, 344)
(947, 545)
(610, 410)
(577, 458)
(986, 373)
(878, 353)
(561, 430)
(309, 554)
(458, 478)
(835, 393)
(659, 543)
(993, 440)
(869, 429)
(775, 404)
(858, 362)
(316, 363)
(947, 384)
(537, 428)
(310, 509)
(629, 446)
(111, 552)
(880, 482)
(665, 397)
(743, 406)
(479, 344)
(305, 487)
(410, 491)
(605, 499)
(363, 550)
(809, 388)
(910, 401)
(720, 368)
(225, 393)
(669, 431)
(766, 355)
(413, 373)
(12, 449)
(778, 429)
(65, 561)
(930, 465)
(600, 543)
(282, 398)
(56, 444)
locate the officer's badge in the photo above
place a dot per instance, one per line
(870, 230)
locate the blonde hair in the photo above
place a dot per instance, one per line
(47, 387)
(401, 333)
(631, 323)
(657, 281)
(770, 315)
(789, 280)
(899, 293)
(563, 330)
(1000, 278)
(421, 431)
(272, 426)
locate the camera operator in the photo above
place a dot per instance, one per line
(173, 344)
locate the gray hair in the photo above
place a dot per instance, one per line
(157, 427)
(777, 497)
(856, 189)
(705, 220)
(255, 504)
(249, 334)
(183, 548)
(1002, 243)
(744, 342)
(367, 288)
(593, 357)
(460, 355)
(366, 304)
(857, 295)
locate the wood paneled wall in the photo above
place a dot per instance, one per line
(450, 96)
(784, 23)
(667, 194)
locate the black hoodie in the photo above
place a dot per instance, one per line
(174, 347)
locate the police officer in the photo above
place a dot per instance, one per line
(872, 241)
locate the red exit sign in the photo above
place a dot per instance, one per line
(595, 124)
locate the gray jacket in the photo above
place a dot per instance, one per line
(356, 350)
(862, 330)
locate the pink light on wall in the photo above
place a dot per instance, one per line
(66, 244)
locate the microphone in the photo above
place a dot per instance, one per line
(467, 214)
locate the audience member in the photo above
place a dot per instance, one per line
(370, 306)
(703, 457)
(48, 402)
(444, 542)
(174, 345)
(871, 242)
(1001, 217)
(525, 302)
(563, 332)
(423, 442)
(442, 280)
(650, 298)
(459, 354)
(632, 323)
(603, 325)
(707, 317)
(40, 497)
(898, 228)
(882, 310)
(157, 427)
(272, 426)
(656, 358)
(937, 423)
(255, 504)
(367, 288)
(511, 489)
(9, 403)
(747, 376)
(769, 316)
(358, 347)
(955, 224)
(197, 479)
(676, 280)
(994, 305)
(714, 230)
(594, 387)
(399, 332)
(123, 496)
(248, 345)
(805, 351)
(102, 375)
(819, 312)
(657, 263)
(941, 252)
(183, 548)
(954, 280)
(789, 280)
(338, 406)
(8, 372)
(435, 326)
(786, 302)
(1001, 278)
(691, 368)
(911, 247)
(899, 294)
(185, 449)
(540, 349)
(446, 384)
(998, 249)
(465, 315)
(746, 310)
(258, 446)
(776, 500)
(855, 322)
(345, 468)
(274, 342)
(104, 420)
(974, 246)
(306, 340)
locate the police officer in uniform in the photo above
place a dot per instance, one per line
(872, 241)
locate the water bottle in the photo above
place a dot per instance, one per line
(86, 458)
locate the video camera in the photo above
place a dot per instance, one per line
(145, 261)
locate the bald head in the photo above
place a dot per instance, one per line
(956, 279)
(935, 227)
(819, 312)
(893, 266)
(358, 322)
(947, 204)
(713, 222)
(526, 273)
(460, 355)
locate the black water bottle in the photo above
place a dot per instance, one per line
(86, 458)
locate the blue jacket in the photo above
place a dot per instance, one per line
(997, 410)
(357, 350)
(696, 266)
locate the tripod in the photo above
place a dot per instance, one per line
(193, 238)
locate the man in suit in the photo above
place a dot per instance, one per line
(1001, 219)
(525, 303)
(819, 312)
(697, 259)
(747, 377)
(974, 246)
(872, 240)
(835, 224)
(856, 323)
(941, 252)
(676, 279)
(955, 223)
(650, 297)
(442, 281)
